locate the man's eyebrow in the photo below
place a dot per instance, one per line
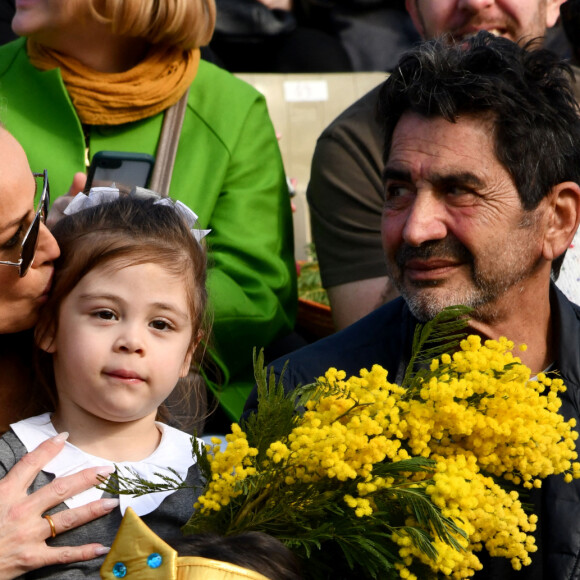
(465, 178)
(440, 180)
(396, 174)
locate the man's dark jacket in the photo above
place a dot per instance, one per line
(385, 336)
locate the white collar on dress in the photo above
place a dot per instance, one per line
(174, 450)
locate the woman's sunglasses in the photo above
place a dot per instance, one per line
(30, 241)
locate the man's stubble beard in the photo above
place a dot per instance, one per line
(486, 287)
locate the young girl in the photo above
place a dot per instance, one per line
(121, 327)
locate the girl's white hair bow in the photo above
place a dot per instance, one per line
(100, 195)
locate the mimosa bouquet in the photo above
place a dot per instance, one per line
(371, 479)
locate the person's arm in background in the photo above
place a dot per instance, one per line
(345, 197)
(353, 300)
(23, 530)
(252, 274)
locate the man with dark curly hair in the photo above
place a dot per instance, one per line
(345, 193)
(481, 178)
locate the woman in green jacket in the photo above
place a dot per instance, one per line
(93, 75)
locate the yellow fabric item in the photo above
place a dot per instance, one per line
(135, 543)
(101, 98)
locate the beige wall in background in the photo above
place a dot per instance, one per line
(301, 106)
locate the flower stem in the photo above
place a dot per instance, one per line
(355, 405)
(250, 506)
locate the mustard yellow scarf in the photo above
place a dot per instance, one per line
(100, 98)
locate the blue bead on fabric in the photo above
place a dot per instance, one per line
(154, 560)
(120, 570)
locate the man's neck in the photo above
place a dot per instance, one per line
(529, 322)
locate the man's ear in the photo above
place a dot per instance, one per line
(411, 6)
(563, 218)
(553, 12)
(44, 339)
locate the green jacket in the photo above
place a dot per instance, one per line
(228, 170)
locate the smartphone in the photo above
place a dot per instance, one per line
(125, 170)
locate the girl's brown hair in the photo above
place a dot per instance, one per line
(127, 231)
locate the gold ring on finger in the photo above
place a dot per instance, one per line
(51, 524)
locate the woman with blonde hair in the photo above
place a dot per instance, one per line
(92, 75)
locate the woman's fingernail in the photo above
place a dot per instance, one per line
(60, 437)
(105, 471)
(110, 503)
(101, 550)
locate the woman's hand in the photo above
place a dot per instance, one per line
(23, 530)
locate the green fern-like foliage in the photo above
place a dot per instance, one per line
(315, 523)
(440, 335)
(276, 412)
